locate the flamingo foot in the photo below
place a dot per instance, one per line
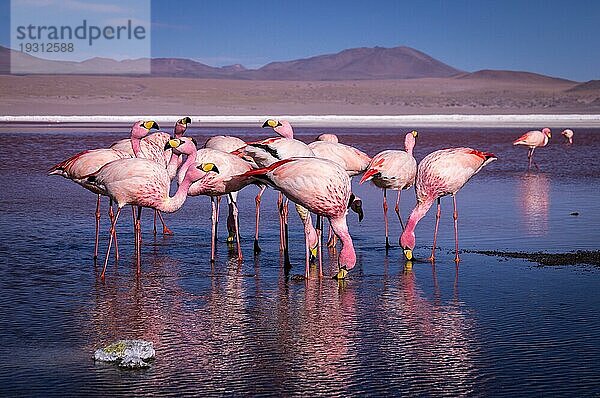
(167, 231)
(457, 259)
(431, 259)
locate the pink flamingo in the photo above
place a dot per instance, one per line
(143, 183)
(228, 143)
(393, 170)
(534, 139)
(322, 187)
(152, 147)
(568, 134)
(269, 151)
(228, 181)
(351, 159)
(441, 173)
(79, 166)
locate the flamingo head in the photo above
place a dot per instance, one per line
(407, 243)
(547, 131)
(141, 128)
(182, 146)
(181, 126)
(194, 174)
(409, 141)
(328, 137)
(283, 128)
(355, 203)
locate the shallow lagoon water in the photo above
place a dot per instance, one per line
(492, 326)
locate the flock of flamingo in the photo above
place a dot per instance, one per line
(138, 171)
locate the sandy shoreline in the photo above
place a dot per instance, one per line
(524, 121)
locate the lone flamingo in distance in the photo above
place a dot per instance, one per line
(441, 173)
(568, 134)
(322, 187)
(534, 139)
(393, 169)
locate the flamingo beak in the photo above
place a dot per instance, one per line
(186, 120)
(414, 133)
(271, 123)
(356, 206)
(206, 167)
(151, 124)
(313, 253)
(368, 175)
(173, 143)
(408, 254)
(408, 266)
(342, 273)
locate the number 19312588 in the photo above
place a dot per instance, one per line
(46, 47)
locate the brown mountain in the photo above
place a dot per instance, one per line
(592, 85)
(357, 64)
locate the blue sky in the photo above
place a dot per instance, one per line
(556, 38)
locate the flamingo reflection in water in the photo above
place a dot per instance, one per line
(432, 334)
(533, 201)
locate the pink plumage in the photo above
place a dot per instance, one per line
(533, 139)
(441, 173)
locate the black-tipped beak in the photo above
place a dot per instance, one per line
(271, 123)
(356, 206)
(186, 120)
(172, 143)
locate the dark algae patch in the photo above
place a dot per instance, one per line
(591, 257)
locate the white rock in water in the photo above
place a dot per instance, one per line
(129, 353)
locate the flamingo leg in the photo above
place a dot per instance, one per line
(397, 209)
(385, 219)
(138, 254)
(320, 243)
(286, 252)
(135, 242)
(455, 215)
(213, 229)
(112, 234)
(231, 229)
(97, 228)
(533, 161)
(217, 217)
(111, 216)
(166, 230)
(437, 223)
(155, 211)
(257, 200)
(307, 255)
(281, 229)
(237, 228)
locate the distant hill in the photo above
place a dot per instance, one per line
(591, 85)
(377, 63)
(511, 77)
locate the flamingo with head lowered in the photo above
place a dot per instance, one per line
(441, 173)
(322, 187)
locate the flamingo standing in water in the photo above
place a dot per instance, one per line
(568, 134)
(351, 159)
(228, 181)
(534, 139)
(441, 173)
(229, 144)
(143, 183)
(152, 147)
(79, 166)
(322, 187)
(393, 170)
(269, 151)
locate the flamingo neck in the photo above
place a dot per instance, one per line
(409, 143)
(191, 159)
(407, 239)
(347, 257)
(173, 164)
(174, 203)
(136, 146)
